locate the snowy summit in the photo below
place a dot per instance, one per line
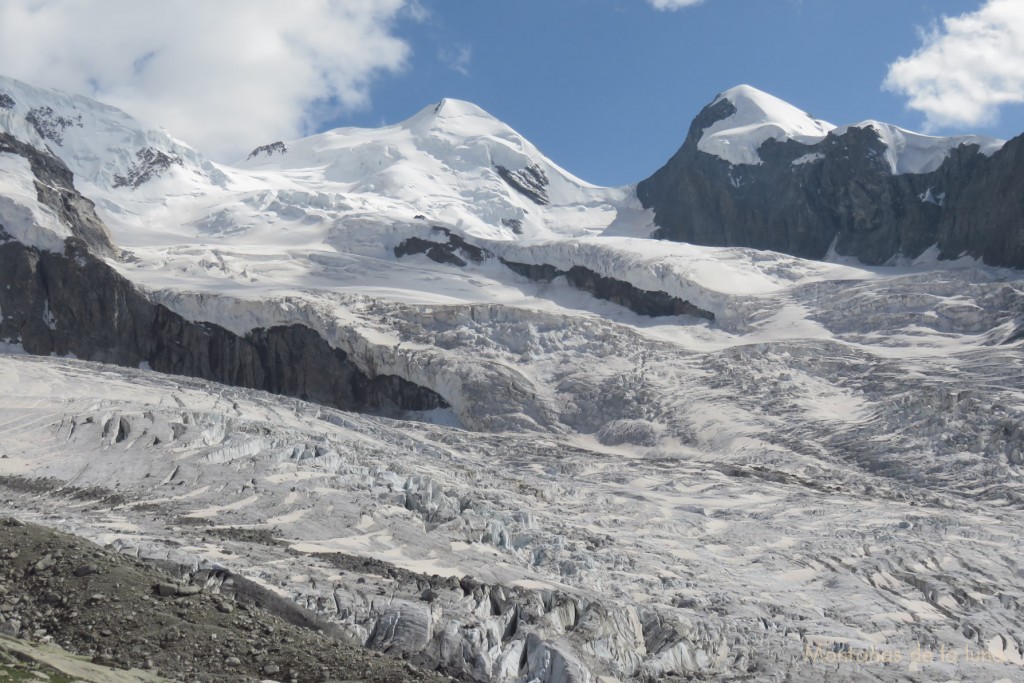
(759, 116)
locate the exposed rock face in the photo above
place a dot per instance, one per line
(804, 198)
(455, 250)
(50, 124)
(514, 224)
(151, 164)
(269, 150)
(6, 101)
(643, 302)
(74, 303)
(531, 182)
(452, 251)
(55, 187)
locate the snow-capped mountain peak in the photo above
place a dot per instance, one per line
(753, 116)
(453, 163)
(757, 116)
(101, 144)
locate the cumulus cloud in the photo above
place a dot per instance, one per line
(457, 59)
(673, 5)
(224, 76)
(967, 67)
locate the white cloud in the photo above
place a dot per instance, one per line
(673, 5)
(458, 58)
(966, 68)
(224, 75)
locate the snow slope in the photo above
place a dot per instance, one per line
(760, 117)
(443, 162)
(22, 216)
(98, 142)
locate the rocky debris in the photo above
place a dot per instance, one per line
(454, 250)
(50, 124)
(258, 536)
(643, 302)
(24, 660)
(531, 182)
(151, 163)
(55, 188)
(6, 101)
(10, 627)
(130, 614)
(269, 150)
(847, 199)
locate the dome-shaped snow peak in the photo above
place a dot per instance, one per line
(453, 163)
(758, 116)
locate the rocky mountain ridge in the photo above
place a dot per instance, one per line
(841, 193)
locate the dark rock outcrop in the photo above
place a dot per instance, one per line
(269, 150)
(640, 301)
(50, 124)
(6, 101)
(845, 195)
(151, 163)
(514, 224)
(531, 182)
(55, 188)
(74, 303)
(453, 251)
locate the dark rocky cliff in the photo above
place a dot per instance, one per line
(76, 303)
(55, 188)
(847, 196)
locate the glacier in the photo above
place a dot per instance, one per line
(817, 482)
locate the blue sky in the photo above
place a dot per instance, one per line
(607, 88)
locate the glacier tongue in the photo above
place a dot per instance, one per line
(517, 556)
